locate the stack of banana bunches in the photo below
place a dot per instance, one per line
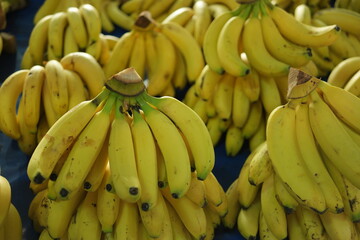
(121, 130)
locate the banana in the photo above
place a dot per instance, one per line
(122, 156)
(291, 29)
(92, 22)
(131, 6)
(57, 86)
(106, 23)
(294, 227)
(230, 219)
(259, 136)
(269, 94)
(31, 96)
(76, 88)
(96, 174)
(88, 69)
(260, 165)
(257, 53)
(120, 54)
(153, 218)
(126, 225)
(223, 96)
(118, 17)
(70, 44)
(280, 48)
(355, 42)
(248, 220)
(159, 7)
(47, 8)
(86, 215)
(194, 131)
(178, 228)
(161, 169)
(313, 160)
(191, 215)
(10, 90)
(343, 71)
(38, 40)
(310, 223)
(59, 137)
(137, 57)
(287, 160)
(82, 154)
(346, 19)
(272, 211)
(179, 80)
(251, 85)
(27, 141)
(196, 192)
(253, 120)
(180, 4)
(352, 85)
(246, 191)
(202, 18)
(181, 15)
(105, 51)
(227, 43)
(56, 32)
(27, 60)
(207, 82)
(146, 160)
(78, 27)
(50, 114)
(210, 42)
(349, 114)
(107, 205)
(234, 140)
(188, 47)
(264, 230)
(13, 224)
(177, 171)
(94, 49)
(284, 196)
(217, 9)
(5, 194)
(240, 105)
(338, 226)
(321, 117)
(164, 66)
(60, 213)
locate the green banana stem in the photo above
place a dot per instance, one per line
(126, 83)
(103, 95)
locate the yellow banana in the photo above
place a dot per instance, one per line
(251, 85)
(76, 88)
(70, 44)
(59, 137)
(88, 68)
(146, 160)
(177, 170)
(287, 160)
(207, 84)
(223, 96)
(181, 15)
(50, 114)
(322, 117)
(294, 227)
(260, 166)
(188, 47)
(13, 224)
(5, 196)
(92, 22)
(120, 54)
(343, 71)
(197, 135)
(122, 157)
(47, 8)
(234, 140)
(227, 44)
(118, 17)
(27, 60)
(126, 225)
(259, 136)
(77, 26)
(284, 195)
(310, 222)
(269, 94)
(313, 160)
(248, 219)
(179, 80)
(352, 85)
(253, 120)
(240, 105)
(107, 205)
(230, 219)
(178, 228)
(38, 40)
(158, 7)
(164, 66)
(196, 192)
(56, 32)
(10, 90)
(311, 36)
(106, 23)
(203, 20)
(338, 226)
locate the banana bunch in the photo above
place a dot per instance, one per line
(261, 206)
(119, 145)
(165, 54)
(347, 75)
(78, 29)
(10, 220)
(348, 4)
(32, 100)
(234, 107)
(267, 35)
(101, 214)
(346, 45)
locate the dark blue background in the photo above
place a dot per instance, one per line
(13, 162)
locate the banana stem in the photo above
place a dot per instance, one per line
(104, 94)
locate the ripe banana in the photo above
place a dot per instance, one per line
(77, 26)
(56, 32)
